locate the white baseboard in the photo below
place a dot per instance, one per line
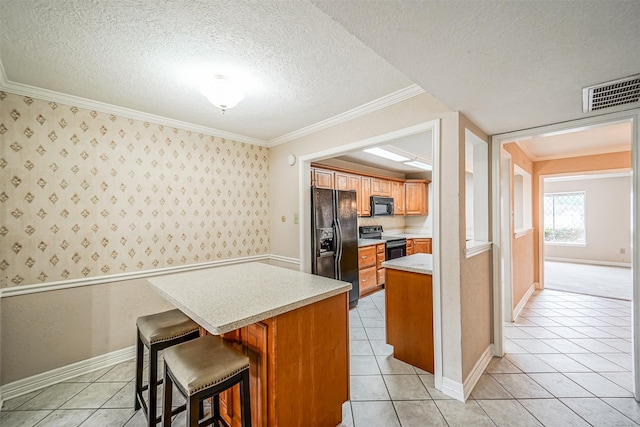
(284, 259)
(453, 389)
(55, 376)
(477, 371)
(523, 301)
(589, 261)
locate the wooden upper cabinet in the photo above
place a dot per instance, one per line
(380, 187)
(341, 180)
(365, 196)
(397, 192)
(346, 181)
(323, 178)
(410, 196)
(416, 202)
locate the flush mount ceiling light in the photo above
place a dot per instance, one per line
(222, 92)
(419, 165)
(376, 151)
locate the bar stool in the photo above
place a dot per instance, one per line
(157, 332)
(201, 369)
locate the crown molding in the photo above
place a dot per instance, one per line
(77, 101)
(63, 98)
(378, 104)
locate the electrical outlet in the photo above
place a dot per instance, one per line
(622, 250)
(283, 219)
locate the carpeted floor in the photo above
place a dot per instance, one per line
(597, 280)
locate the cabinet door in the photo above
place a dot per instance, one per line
(381, 277)
(323, 178)
(365, 190)
(397, 192)
(341, 181)
(380, 259)
(353, 183)
(380, 187)
(421, 246)
(410, 247)
(415, 198)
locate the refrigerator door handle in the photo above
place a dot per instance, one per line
(338, 249)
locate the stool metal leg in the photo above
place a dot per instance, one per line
(193, 410)
(153, 386)
(139, 356)
(245, 399)
(167, 401)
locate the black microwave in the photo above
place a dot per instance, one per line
(381, 206)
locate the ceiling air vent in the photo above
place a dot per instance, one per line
(610, 94)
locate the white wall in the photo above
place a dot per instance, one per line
(607, 216)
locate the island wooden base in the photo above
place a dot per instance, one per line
(299, 367)
(409, 317)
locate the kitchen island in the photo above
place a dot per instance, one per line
(409, 309)
(292, 325)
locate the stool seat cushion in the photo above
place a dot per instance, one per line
(165, 326)
(204, 362)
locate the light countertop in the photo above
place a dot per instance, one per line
(416, 263)
(222, 299)
(369, 242)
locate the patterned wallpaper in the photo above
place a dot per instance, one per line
(87, 194)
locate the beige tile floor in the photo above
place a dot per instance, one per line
(568, 364)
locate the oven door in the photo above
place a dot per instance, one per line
(396, 249)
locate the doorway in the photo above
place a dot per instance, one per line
(502, 254)
(587, 234)
(433, 127)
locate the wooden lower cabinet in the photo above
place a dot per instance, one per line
(421, 246)
(371, 273)
(299, 367)
(409, 317)
(410, 248)
(380, 258)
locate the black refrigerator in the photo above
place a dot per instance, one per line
(334, 237)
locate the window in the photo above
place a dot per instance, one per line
(564, 217)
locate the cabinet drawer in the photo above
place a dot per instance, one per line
(379, 248)
(368, 279)
(380, 276)
(380, 260)
(366, 257)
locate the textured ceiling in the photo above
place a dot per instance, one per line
(507, 65)
(300, 66)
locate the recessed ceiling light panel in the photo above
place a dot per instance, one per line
(376, 151)
(419, 165)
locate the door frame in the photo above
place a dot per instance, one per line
(500, 253)
(304, 197)
(506, 208)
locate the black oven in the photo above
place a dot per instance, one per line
(395, 248)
